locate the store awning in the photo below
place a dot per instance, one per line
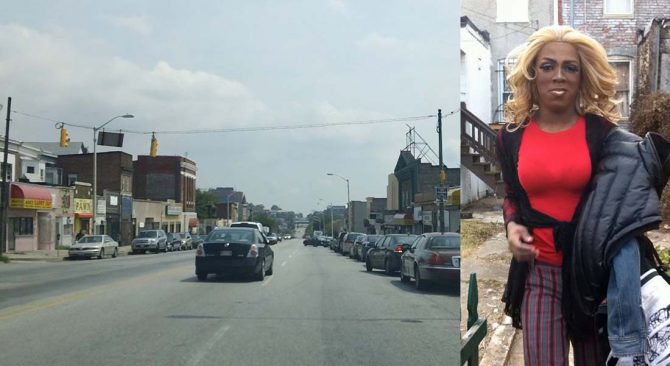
(83, 215)
(30, 196)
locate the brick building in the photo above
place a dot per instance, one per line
(168, 179)
(114, 189)
(619, 26)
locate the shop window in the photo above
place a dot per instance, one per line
(30, 170)
(23, 226)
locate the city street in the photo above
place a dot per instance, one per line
(318, 308)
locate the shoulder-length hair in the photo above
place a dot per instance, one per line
(598, 78)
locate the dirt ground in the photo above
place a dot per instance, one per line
(490, 261)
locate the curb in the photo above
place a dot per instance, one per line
(50, 256)
(500, 345)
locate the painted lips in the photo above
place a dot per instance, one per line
(557, 92)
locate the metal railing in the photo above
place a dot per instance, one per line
(476, 327)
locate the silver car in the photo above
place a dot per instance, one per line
(153, 240)
(90, 246)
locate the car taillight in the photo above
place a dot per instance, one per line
(436, 259)
(253, 251)
(200, 252)
(398, 249)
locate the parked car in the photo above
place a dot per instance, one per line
(348, 242)
(186, 240)
(154, 240)
(272, 238)
(197, 239)
(234, 251)
(386, 253)
(336, 245)
(324, 241)
(90, 246)
(173, 242)
(368, 243)
(434, 257)
(358, 243)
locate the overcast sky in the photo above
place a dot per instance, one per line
(205, 65)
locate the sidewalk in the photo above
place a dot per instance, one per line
(48, 255)
(490, 261)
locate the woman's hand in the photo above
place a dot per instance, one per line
(519, 241)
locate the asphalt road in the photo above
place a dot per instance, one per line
(318, 308)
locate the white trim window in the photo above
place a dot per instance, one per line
(512, 11)
(618, 7)
(623, 88)
(504, 91)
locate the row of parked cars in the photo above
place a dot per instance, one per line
(424, 258)
(157, 241)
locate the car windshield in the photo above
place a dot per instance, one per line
(237, 236)
(403, 239)
(148, 234)
(372, 238)
(91, 239)
(445, 242)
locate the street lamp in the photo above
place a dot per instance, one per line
(348, 199)
(95, 169)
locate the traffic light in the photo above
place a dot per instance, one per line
(154, 146)
(64, 138)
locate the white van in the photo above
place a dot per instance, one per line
(255, 225)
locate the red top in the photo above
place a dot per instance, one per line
(554, 169)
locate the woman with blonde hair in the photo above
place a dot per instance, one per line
(561, 130)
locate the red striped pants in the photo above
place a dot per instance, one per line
(545, 338)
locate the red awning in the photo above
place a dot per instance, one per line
(30, 196)
(192, 222)
(84, 215)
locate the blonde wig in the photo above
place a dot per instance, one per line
(598, 79)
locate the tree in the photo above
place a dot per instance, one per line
(205, 204)
(275, 208)
(266, 220)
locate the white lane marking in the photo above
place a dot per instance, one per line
(283, 263)
(208, 346)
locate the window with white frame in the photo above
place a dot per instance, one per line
(504, 91)
(623, 92)
(618, 7)
(512, 11)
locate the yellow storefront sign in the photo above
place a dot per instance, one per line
(82, 205)
(30, 203)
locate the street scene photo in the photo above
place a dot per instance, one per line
(230, 183)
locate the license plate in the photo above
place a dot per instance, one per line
(226, 253)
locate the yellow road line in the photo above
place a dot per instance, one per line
(38, 305)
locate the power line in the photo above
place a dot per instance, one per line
(241, 129)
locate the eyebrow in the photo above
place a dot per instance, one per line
(545, 58)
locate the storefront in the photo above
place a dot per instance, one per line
(147, 215)
(112, 215)
(83, 208)
(28, 224)
(63, 215)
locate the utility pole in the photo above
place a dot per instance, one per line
(5, 185)
(443, 173)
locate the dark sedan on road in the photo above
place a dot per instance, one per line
(387, 251)
(173, 242)
(434, 257)
(234, 250)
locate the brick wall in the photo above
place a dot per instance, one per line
(161, 178)
(111, 166)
